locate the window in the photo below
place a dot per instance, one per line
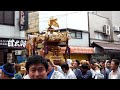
(79, 35)
(97, 35)
(76, 34)
(72, 35)
(7, 17)
(101, 36)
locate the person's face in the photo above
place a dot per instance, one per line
(108, 65)
(93, 66)
(0, 73)
(113, 66)
(37, 71)
(63, 69)
(75, 64)
(102, 64)
(4, 76)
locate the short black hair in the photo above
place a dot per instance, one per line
(116, 61)
(84, 66)
(36, 59)
(102, 61)
(9, 68)
(65, 65)
(92, 62)
(78, 62)
(109, 61)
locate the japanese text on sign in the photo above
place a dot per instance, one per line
(16, 43)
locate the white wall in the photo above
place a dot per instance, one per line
(96, 23)
(116, 22)
(22, 35)
(66, 19)
(7, 31)
(78, 21)
(84, 42)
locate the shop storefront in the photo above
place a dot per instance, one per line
(80, 53)
(9, 48)
(106, 51)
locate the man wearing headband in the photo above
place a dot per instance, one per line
(8, 71)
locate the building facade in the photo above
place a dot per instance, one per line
(104, 34)
(12, 38)
(33, 22)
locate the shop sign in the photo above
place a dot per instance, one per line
(84, 50)
(23, 21)
(3, 42)
(18, 52)
(16, 43)
(13, 42)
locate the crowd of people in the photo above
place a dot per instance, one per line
(38, 67)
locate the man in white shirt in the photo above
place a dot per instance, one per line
(68, 73)
(26, 77)
(96, 74)
(115, 73)
(92, 68)
(52, 73)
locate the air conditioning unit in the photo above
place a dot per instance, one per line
(116, 28)
(106, 29)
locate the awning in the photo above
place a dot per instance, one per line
(107, 46)
(112, 51)
(82, 50)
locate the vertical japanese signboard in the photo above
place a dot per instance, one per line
(23, 20)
